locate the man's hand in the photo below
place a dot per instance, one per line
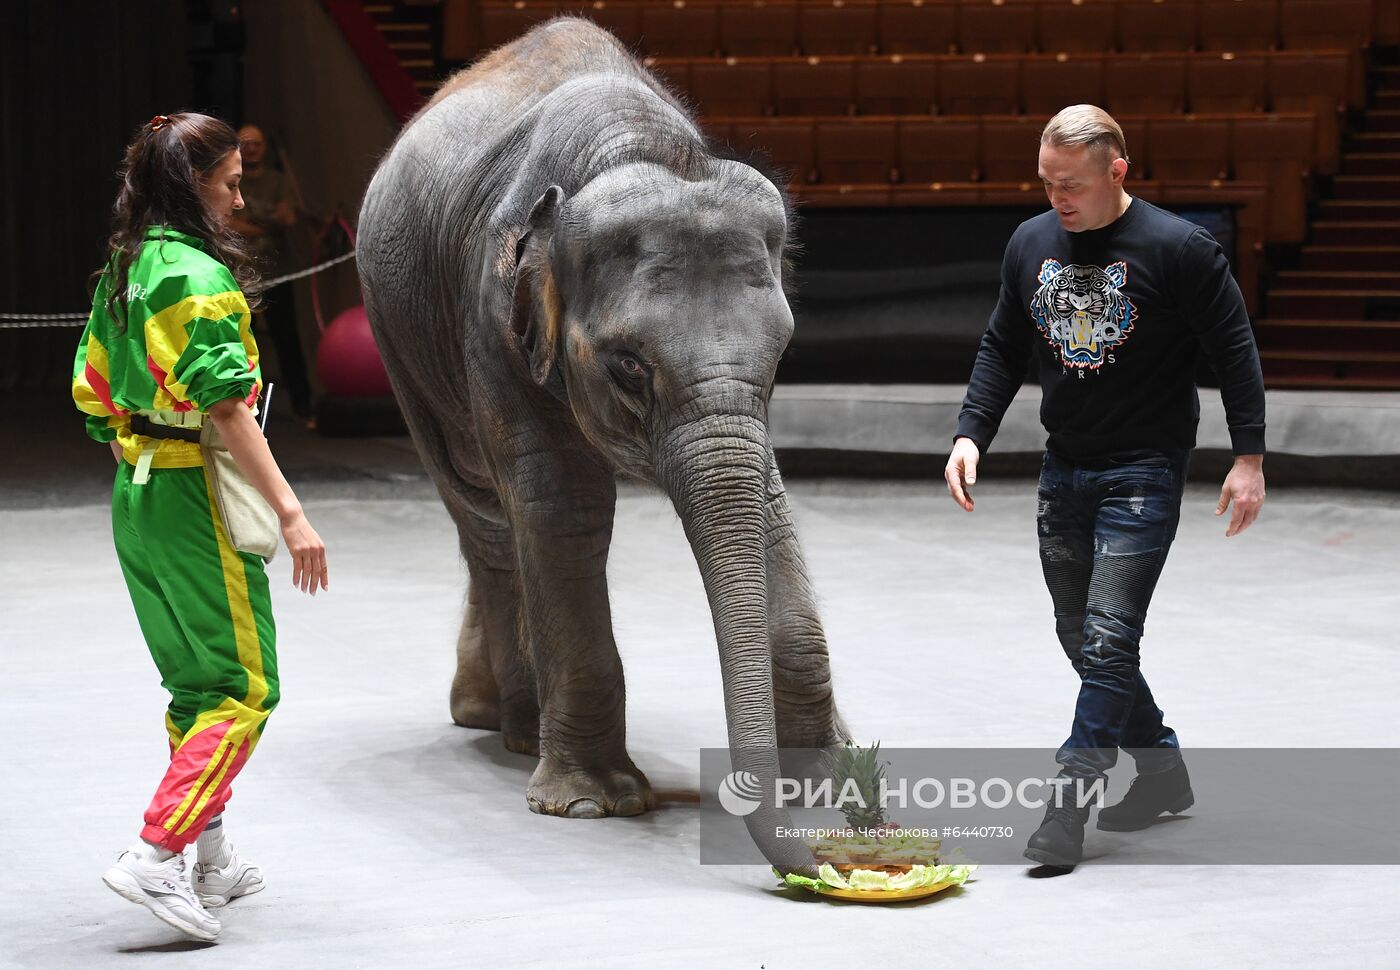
(1245, 487)
(961, 472)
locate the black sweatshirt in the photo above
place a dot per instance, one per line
(1116, 316)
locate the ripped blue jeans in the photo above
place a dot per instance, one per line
(1105, 529)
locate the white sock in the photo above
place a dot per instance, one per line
(214, 849)
(147, 852)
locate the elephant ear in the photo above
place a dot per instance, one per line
(536, 312)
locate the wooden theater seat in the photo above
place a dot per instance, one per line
(1010, 148)
(788, 143)
(1322, 24)
(1221, 83)
(980, 84)
(1054, 81)
(685, 30)
(837, 27)
(996, 28)
(1189, 147)
(918, 26)
(1317, 83)
(1077, 26)
(943, 149)
(732, 87)
(1144, 84)
(1239, 25)
(896, 85)
(814, 86)
(758, 29)
(1277, 149)
(1157, 25)
(863, 151)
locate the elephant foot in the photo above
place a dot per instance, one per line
(589, 792)
(520, 723)
(522, 743)
(470, 712)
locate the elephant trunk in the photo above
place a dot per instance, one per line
(716, 470)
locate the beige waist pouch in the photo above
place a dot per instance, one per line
(248, 520)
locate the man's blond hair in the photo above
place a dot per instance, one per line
(1085, 124)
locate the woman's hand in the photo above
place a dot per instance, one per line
(308, 553)
(116, 450)
(246, 443)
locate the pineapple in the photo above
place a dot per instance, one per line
(851, 762)
(877, 842)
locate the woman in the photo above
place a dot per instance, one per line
(167, 348)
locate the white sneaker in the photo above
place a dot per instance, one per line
(216, 885)
(164, 889)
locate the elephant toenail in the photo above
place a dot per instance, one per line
(629, 805)
(585, 808)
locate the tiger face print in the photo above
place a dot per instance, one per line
(1082, 312)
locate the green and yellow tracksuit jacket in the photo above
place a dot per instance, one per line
(185, 344)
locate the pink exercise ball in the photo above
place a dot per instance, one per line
(348, 360)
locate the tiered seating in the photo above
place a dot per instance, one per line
(747, 28)
(1228, 82)
(941, 102)
(1315, 81)
(1127, 84)
(1271, 148)
(1243, 25)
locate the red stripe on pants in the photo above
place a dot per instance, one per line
(187, 768)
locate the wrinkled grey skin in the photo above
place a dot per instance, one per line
(565, 285)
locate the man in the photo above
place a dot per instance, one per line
(269, 211)
(1115, 297)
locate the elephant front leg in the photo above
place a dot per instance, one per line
(803, 697)
(584, 769)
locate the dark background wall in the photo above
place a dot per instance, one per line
(76, 80)
(79, 77)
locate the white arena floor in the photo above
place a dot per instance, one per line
(392, 838)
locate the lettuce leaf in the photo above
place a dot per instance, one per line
(794, 879)
(878, 880)
(831, 877)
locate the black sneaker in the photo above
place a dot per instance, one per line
(1060, 839)
(1147, 798)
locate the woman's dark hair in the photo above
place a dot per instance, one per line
(161, 176)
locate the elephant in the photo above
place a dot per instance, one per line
(568, 286)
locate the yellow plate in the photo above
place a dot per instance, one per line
(884, 895)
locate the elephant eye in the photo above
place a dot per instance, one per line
(630, 371)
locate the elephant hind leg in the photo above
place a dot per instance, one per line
(494, 687)
(475, 698)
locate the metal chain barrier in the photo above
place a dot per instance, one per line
(25, 321)
(279, 280)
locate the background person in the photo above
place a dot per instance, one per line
(1116, 298)
(269, 211)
